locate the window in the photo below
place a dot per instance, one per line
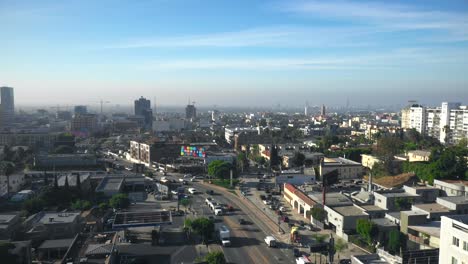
(465, 245)
(454, 260)
(455, 241)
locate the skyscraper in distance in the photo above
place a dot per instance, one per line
(322, 110)
(7, 106)
(143, 109)
(190, 111)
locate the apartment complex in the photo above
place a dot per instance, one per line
(454, 239)
(448, 123)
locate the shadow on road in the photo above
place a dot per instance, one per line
(244, 242)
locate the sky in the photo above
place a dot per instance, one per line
(235, 53)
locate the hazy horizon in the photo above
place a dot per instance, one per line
(240, 53)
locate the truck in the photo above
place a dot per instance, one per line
(218, 210)
(270, 241)
(224, 236)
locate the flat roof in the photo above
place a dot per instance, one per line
(383, 222)
(339, 161)
(110, 184)
(371, 208)
(57, 243)
(5, 218)
(398, 194)
(142, 218)
(455, 199)
(58, 218)
(348, 210)
(331, 199)
(432, 208)
(459, 218)
(431, 228)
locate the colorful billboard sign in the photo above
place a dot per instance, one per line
(190, 151)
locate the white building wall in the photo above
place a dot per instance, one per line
(452, 231)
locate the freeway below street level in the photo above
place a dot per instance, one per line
(247, 240)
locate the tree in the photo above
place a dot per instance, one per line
(366, 229)
(119, 201)
(216, 257)
(219, 169)
(242, 161)
(81, 205)
(318, 214)
(340, 246)
(64, 149)
(298, 159)
(394, 242)
(274, 157)
(204, 227)
(5, 255)
(185, 202)
(33, 205)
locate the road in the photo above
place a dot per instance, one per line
(248, 244)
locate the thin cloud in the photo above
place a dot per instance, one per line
(384, 15)
(275, 36)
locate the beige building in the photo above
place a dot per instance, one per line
(418, 155)
(347, 169)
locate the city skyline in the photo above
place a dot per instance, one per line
(233, 54)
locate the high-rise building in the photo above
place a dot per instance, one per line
(7, 106)
(143, 109)
(80, 110)
(190, 111)
(448, 123)
(85, 123)
(454, 239)
(323, 110)
(306, 109)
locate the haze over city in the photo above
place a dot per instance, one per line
(235, 53)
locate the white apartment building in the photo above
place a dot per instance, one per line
(454, 239)
(448, 123)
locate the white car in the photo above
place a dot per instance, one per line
(181, 180)
(192, 190)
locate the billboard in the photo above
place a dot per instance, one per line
(190, 151)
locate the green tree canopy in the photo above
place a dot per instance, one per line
(204, 227)
(5, 255)
(219, 169)
(394, 241)
(119, 201)
(366, 229)
(298, 159)
(216, 257)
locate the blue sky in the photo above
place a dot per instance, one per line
(255, 53)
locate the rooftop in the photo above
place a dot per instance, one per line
(371, 208)
(420, 152)
(332, 198)
(6, 218)
(397, 194)
(349, 210)
(431, 228)
(339, 161)
(57, 218)
(143, 218)
(432, 208)
(56, 243)
(384, 222)
(392, 181)
(110, 184)
(460, 218)
(455, 182)
(455, 199)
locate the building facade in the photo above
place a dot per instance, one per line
(448, 123)
(454, 239)
(7, 106)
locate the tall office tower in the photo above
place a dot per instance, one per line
(306, 109)
(7, 106)
(190, 111)
(143, 109)
(141, 106)
(322, 110)
(80, 110)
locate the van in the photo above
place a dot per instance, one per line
(270, 241)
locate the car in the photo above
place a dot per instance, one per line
(282, 209)
(296, 252)
(267, 202)
(285, 219)
(345, 261)
(243, 193)
(181, 180)
(242, 221)
(210, 192)
(262, 197)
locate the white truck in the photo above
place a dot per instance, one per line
(303, 260)
(218, 210)
(224, 236)
(270, 241)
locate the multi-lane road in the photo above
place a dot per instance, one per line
(247, 240)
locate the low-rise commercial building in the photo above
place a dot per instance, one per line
(395, 201)
(9, 224)
(459, 204)
(52, 225)
(347, 169)
(343, 219)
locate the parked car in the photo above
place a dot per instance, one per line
(285, 219)
(210, 192)
(242, 221)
